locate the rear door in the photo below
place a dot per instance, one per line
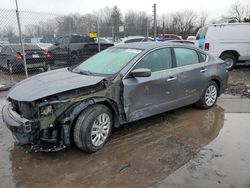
(192, 75)
(148, 96)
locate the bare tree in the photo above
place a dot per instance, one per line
(237, 12)
(202, 19)
(135, 23)
(116, 18)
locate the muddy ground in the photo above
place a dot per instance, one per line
(182, 148)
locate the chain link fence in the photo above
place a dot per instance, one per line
(51, 41)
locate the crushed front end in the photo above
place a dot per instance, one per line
(35, 124)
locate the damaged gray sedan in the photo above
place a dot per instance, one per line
(122, 84)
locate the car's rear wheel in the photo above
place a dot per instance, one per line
(230, 61)
(209, 96)
(93, 128)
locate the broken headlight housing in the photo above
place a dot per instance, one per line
(46, 110)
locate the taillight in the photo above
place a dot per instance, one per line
(206, 46)
(18, 57)
(47, 54)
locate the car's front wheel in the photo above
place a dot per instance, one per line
(209, 96)
(93, 128)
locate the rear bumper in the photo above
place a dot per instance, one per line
(19, 127)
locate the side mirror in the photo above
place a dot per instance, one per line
(56, 44)
(141, 72)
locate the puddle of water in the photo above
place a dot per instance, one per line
(223, 163)
(234, 104)
(6, 144)
(137, 155)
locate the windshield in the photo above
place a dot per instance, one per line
(107, 62)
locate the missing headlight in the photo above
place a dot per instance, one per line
(46, 110)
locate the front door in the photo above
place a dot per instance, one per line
(147, 96)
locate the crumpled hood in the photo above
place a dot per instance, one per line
(50, 83)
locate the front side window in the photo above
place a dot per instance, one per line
(66, 40)
(185, 56)
(157, 60)
(107, 62)
(76, 39)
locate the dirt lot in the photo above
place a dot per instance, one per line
(182, 148)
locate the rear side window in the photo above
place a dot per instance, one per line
(203, 57)
(185, 56)
(157, 60)
(202, 33)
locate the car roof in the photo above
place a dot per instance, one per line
(149, 45)
(18, 47)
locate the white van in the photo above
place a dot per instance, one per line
(229, 41)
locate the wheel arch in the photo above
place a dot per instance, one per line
(231, 52)
(216, 79)
(72, 113)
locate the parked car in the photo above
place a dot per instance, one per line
(229, 41)
(121, 84)
(191, 38)
(11, 57)
(103, 40)
(132, 39)
(74, 48)
(181, 42)
(165, 37)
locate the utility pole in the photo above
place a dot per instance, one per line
(154, 16)
(21, 40)
(98, 39)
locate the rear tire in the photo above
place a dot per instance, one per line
(230, 61)
(93, 128)
(209, 96)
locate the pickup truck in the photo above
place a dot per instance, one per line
(71, 49)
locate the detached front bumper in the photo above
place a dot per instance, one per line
(20, 127)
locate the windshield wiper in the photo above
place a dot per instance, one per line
(85, 72)
(79, 71)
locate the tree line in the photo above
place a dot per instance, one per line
(184, 23)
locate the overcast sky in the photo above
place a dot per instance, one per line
(215, 8)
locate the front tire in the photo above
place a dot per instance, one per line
(93, 128)
(209, 96)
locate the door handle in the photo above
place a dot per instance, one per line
(203, 70)
(171, 78)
